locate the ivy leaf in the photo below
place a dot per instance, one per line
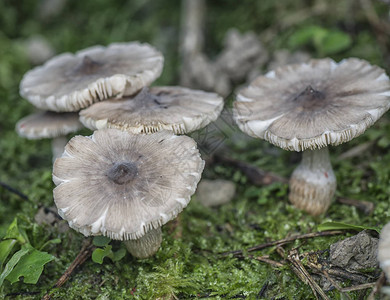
(335, 41)
(11, 264)
(101, 241)
(305, 35)
(99, 254)
(5, 249)
(118, 255)
(30, 266)
(343, 226)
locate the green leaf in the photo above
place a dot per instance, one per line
(11, 264)
(5, 249)
(99, 254)
(30, 266)
(306, 35)
(13, 232)
(101, 241)
(118, 255)
(53, 241)
(333, 42)
(344, 226)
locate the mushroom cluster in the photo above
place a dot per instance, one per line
(133, 174)
(69, 82)
(306, 107)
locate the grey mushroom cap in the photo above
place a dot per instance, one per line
(122, 185)
(174, 108)
(314, 104)
(48, 124)
(70, 82)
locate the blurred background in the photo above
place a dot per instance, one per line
(219, 46)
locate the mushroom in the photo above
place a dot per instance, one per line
(178, 109)
(384, 250)
(50, 125)
(126, 186)
(306, 107)
(70, 82)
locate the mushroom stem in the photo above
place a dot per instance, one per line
(313, 183)
(57, 146)
(145, 246)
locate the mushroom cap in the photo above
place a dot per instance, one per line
(69, 82)
(314, 104)
(47, 124)
(121, 185)
(178, 109)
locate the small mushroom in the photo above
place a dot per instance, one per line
(49, 125)
(384, 250)
(178, 109)
(306, 107)
(126, 186)
(70, 82)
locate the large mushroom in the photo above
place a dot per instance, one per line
(306, 107)
(70, 82)
(178, 109)
(49, 125)
(126, 186)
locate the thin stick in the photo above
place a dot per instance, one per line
(336, 285)
(379, 283)
(83, 255)
(255, 175)
(285, 240)
(303, 274)
(260, 177)
(359, 287)
(337, 272)
(267, 260)
(14, 191)
(365, 206)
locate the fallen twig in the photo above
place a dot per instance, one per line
(14, 191)
(359, 287)
(83, 255)
(379, 283)
(365, 206)
(267, 260)
(285, 240)
(262, 290)
(254, 174)
(303, 274)
(260, 177)
(337, 272)
(319, 267)
(357, 150)
(335, 284)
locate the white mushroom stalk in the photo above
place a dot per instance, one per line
(306, 107)
(313, 183)
(384, 250)
(147, 245)
(126, 186)
(58, 145)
